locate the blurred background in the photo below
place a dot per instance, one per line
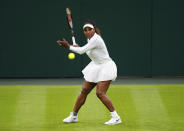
(145, 38)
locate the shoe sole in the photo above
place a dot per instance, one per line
(70, 122)
(74, 121)
(114, 123)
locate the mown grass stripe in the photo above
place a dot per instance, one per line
(150, 110)
(30, 110)
(173, 99)
(8, 102)
(59, 104)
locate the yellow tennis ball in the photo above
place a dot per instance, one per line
(71, 56)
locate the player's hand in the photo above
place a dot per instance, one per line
(63, 43)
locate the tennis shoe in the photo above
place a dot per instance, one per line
(71, 118)
(114, 120)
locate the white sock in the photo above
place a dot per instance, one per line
(114, 114)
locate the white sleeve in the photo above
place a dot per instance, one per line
(81, 50)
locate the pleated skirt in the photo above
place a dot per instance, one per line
(100, 72)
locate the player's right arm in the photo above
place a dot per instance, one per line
(80, 50)
(63, 43)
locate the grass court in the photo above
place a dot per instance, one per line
(152, 107)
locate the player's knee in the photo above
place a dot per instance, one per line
(100, 94)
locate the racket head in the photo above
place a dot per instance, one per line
(70, 23)
(69, 17)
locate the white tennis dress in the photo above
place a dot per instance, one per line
(101, 67)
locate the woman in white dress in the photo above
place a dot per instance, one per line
(99, 72)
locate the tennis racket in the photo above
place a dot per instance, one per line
(70, 24)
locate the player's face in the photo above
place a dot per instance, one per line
(89, 32)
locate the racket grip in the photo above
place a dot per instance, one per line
(73, 40)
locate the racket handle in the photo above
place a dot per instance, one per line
(73, 40)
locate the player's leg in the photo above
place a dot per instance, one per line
(87, 87)
(101, 90)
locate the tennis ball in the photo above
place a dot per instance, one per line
(71, 56)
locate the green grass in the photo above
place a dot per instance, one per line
(141, 107)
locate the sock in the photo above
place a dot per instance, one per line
(75, 113)
(114, 114)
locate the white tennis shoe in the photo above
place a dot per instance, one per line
(71, 118)
(114, 120)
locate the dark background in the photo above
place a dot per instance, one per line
(144, 38)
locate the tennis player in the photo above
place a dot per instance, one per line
(99, 72)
